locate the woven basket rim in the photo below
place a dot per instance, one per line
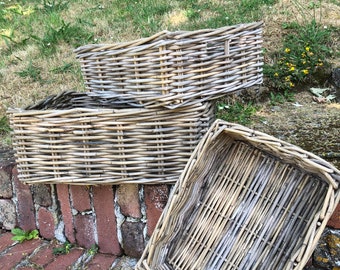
(161, 36)
(99, 95)
(291, 153)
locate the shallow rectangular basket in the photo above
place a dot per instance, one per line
(245, 200)
(179, 68)
(77, 138)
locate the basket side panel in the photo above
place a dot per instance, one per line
(181, 68)
(92, 146)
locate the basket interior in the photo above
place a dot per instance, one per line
(240, 208)
(91, 100)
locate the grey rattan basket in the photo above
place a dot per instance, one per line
(245, 200)
(78, 138)
(175, 69)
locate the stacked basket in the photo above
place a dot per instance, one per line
(148, 105)
(245, 200)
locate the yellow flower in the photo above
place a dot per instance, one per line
(304, 62)
(287, 50)
(307, 49)
(276, 74)
(305, 71)
(303, 55)
(292, 68)
(320, 64)
(291, 84)
(287, 79)
(310, 53)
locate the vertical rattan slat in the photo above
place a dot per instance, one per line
(245, 200)
(179, 68)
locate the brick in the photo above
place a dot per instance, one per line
(133, 240)
(18, 252)
(128, 200)
(65, 206)
(6, 180)
(65, 261)
(44, 255)
(46, 223)
(5, 241)
(101, 262)
(42, 194)
(156, 197)
(25, 207)
(334, 221)
(80, 198)
(103, 201)
(84, 227)
(8, 217)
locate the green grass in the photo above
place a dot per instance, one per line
(37, 38)
(31, 71)
(237, 112)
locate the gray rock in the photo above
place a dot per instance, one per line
(6, 181)
(327, 253)
(335, 78)
(133, 241)
(8, 216)
(124, 263)
(42, 195)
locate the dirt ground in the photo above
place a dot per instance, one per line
(313, 126)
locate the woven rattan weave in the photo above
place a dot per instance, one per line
(176, 68)
(79, 138)
(245, 200)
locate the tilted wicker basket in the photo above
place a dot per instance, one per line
(245, 200)
(95, 138)
(175, 69)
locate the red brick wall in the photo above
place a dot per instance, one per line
(119, 219)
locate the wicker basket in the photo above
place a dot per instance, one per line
(176, 68)
(245, 200)
(77, 138)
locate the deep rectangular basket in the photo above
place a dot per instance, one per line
(245, 200)
(92, 138)
(179, 68)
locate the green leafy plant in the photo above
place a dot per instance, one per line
(279, 98)
(21, 235)
(64, 249)
(93, 250)
(237, 112)
(304, 52)
(4, 125)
